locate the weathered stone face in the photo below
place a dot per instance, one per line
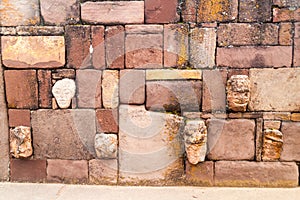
(20, 142)
(272, 145)
(106, 145)
(195, 137)
(238, 92)
(64, 91)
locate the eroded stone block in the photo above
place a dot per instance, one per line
(195, 138)
(20, 142)
(106, 145)
(272, 145)
(238, 92)
(64, 91)
(110, 89)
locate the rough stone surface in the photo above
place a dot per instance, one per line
(195, 138)
(272, 124)
(60, 11)
(63, 134)
(246, 57)
(19, 117)
(106, 146)
(115, 47)
(21, 89)
(103, 172)
(295, 117)
(297, 45)
(33, 51)
(119, 12)
(78, 46)
(88, 88)
(286, 3)
(285, 116)
(189, 10)
(63, 73)
(176, 47)
(174, 74)
(279, 97)
(255, 11)
(272, 145)
(201, 174)
(238, 92)
(39, 30)
(14, 13)
(161, 11)
(144, 50)
(173, 95)
(150, 146)
(231, 139)
(132, 86)
(202, 47)
(214, 93)
(98, 47)
(286, 14)
(45, 86)
(67, 171)
(107, 121)
(20, 142)
(291, 144)
(258, 174)
(285, 34)
(241, 34)
(217, 10)
(110, 89)
(259, 139)
(28, 170)
(63, 91)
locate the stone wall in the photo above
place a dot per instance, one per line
(153, 92)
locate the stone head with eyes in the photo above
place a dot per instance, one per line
(63, 91)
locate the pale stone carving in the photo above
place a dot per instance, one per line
(106, 145)
(238, 92)
(272, 145)
(63, 91)
(195, 138)
(20, 142)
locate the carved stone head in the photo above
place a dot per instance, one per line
(63, 91)
(238, 92)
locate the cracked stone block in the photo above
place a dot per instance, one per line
(272, 145)
(106, 146)
(63, 91)
(20, 142)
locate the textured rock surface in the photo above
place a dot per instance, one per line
(291, 144)
(279, 97)
(14, 13)
(150, 148)
(28, 170)
(161, 11)
(174, 74)
(195, 138)
(202, 47)
(45, 86)
(272, 145)
(20, 142)
(63, 134)
(238, 92)
(97, 50)
(110, 89)
(255, 11)
(63, 91)
(106, 146)
(231, 139)
(297, 44)
(19, 117)
(103, 172)
(33, 52)
(201, 174)
(107, 120)
(263, 174)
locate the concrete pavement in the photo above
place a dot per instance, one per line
(31, 191)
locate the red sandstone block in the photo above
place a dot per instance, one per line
(98, 55)
(45, 87)
(285, 34)
(18, 117)
(201, 174)
(231, 139)
(28, 170)
(297, 45)
(246, 57)
(161, 11)
(115, 47)
(256, 174)
(107, 121)
(189, 10)
(67, 171)
(21, 88)
(286, 14)
(291, 141)
(255, 10)
(78, 46)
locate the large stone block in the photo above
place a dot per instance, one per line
(201, 174)
(150, 148)
(33, 51)
(255, 10)
(161, 11)
(103, 172)
(291, 141)
(19, 117)
(63, 134)
(275, 90)
(231, 139)
(98, 47)
(286, 14)
(173, 95)
(113, 12)
(21, 88)
(28, 170)
(107, 120)
(202, 47)
(14, 13)
(256, 174)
